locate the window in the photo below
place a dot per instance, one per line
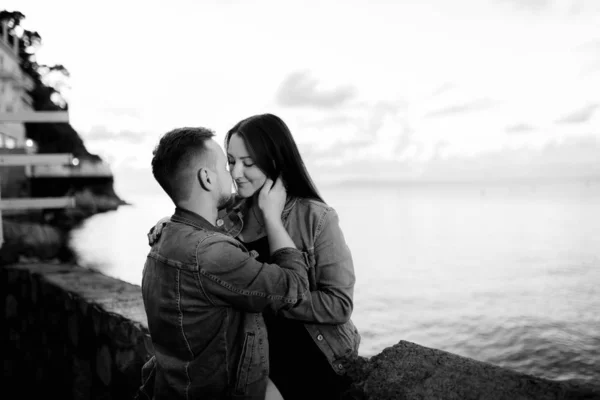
(10, 142)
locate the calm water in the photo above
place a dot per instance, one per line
(499, 273)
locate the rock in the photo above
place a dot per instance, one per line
(28, 239)
(408, 371)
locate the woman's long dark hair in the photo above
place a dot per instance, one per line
(274, 151)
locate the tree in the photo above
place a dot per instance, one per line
(44, 96)
(50, 137)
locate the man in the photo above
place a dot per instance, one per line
(203, 293)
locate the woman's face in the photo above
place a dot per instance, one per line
(245, 173)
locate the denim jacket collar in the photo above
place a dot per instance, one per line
(289, 204)
(231, 218)
(241, 206)
(191, 218)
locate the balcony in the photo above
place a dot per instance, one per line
(77, 169)
(6, 75)
(19, 80)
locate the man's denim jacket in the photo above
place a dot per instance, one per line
(314, 228)
(204, 294)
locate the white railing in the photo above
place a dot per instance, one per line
(77, 169)
(34, 159)
(35, 116)
(37, 203)
(10, 160)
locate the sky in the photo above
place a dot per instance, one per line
(429, 90)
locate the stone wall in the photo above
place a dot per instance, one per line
(72, 333)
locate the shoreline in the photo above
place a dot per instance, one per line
(44, 235)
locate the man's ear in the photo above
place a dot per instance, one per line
(205, 178)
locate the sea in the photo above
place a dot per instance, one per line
(506, 273)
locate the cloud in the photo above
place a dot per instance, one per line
(328, 121)
(122, 112)
(574, 158)
(101, 134)
(519, 128)
(584, 7)
(299, 89)
(572, 7)
(579, 116)
(590, 69)
(591, 51)
(359, 121)
(591, 46)
(98, 133)
(475, 105)
(379, 113)
(535, 5)
(340, 150)
(381, 133)
(446, 87)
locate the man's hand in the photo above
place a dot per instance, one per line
(156, 230)
(271, 199)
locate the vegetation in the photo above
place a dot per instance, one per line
(43, 234)
(46, 96)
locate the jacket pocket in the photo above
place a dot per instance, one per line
(246, 364)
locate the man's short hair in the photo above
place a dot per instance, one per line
(174, 156)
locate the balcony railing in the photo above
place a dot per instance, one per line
(30, 160)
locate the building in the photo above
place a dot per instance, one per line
(14, 84)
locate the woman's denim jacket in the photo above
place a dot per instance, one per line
(203, 295)
(314, 228)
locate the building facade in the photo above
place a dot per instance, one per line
(14, 84)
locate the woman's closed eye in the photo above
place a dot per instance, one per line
(245, 163)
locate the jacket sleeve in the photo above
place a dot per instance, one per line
(332, 301)
(235, 278)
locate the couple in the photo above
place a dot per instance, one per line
(247, 296)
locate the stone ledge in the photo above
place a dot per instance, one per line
(61, 318)
(111, 295)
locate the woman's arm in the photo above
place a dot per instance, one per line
(332, 300)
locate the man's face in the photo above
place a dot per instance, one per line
(224, 183)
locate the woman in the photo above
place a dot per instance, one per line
(309, 345)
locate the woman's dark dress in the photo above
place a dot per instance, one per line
(297, 366)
